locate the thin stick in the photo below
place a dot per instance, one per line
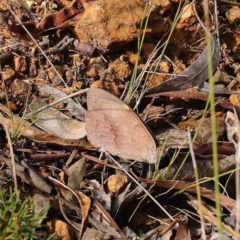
(12, 157)
(197, 185)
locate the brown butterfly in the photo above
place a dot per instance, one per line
(112, 126)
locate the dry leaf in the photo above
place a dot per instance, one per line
(74, 108)
(55, 122)
(76, 172)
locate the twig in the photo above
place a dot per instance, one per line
(197, 185)
(12, 157)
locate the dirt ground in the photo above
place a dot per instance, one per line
(112, 112)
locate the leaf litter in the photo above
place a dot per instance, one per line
(94, 44)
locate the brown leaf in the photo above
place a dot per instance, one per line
(27, 130)
(83, 201)
(41, 203)
(54, 19)
(51, 120)
(76, 173)
(74, 108)
(37, 180)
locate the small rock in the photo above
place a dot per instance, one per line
(116, 183)
(165, 67)
(8, 73)
(233, 14)
(132, 58)
(62, 229)
(108, 86)
(235, 100)
(164, 4)
(92, 72)
(78, 85)
(53, 77)
(12, 106)
(113, 24)
(21, 88)
(120, 68)
(20, 64)
(188, 14)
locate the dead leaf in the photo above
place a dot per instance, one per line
(27, 130)
(233, 132)
(76, 173)
(182, 232)
(75, 109)
(20, 170)
(209, 216)
(83, 201)
(53, 20)
(37, 180)
(55, 122)
(100, 194)
(189, 95)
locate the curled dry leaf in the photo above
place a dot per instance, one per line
(113, 126)
(75, 109)
(25, 129)
(85, 203)
(76, 172)
(183, 232)
(20, 170)
(55, 122)
(210, 217)
(55, 19)
(37, 180)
